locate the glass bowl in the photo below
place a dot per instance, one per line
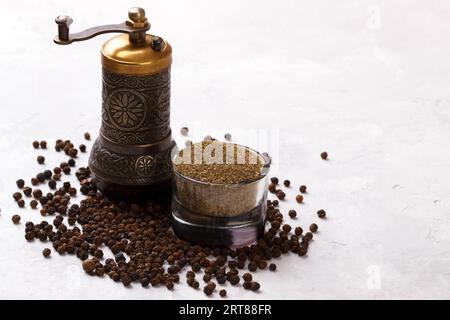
(220, 215)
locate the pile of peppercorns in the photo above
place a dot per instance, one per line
(145, 250)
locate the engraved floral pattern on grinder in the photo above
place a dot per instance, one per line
(126, 109)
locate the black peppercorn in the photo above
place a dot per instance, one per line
(298, 231)
(272, 187)
(234, 280)
(145, 282)
(46, 252)
(29, 236)
(223, 293)
(252, 266)
(274, 180)
(247, 277)
(37, 193)
(52, 184)
(89, 265)
(21, 203)
(43, 144)
(255, 286)
(308, 236)
(82, 148)
(42, 235)
(87, 136)
(33, 204)
(71, 162)
(247, 285)
(27, 191)
(40, 177)
(47, 174)
(20, 183)
(292, 213)
(280, 195)
(208, 290)
(321, 213)
(299, 198)
(287, 183)
(34, 181)
(313, 227)
(324, 155)
(73, 152)
(287, 228)
(302, 188)
(17, 196)
(207, 277)
(40, 159)
(15, 219)
(272, 267)
(36, 144)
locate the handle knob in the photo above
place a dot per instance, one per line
(63, 23)
(137, 14)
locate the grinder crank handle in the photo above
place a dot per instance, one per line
(136, 25)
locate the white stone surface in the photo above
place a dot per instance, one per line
(367, 81)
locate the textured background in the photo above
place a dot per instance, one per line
(368, 81)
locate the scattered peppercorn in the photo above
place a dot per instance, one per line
(272, 187)
(52, 184)
(21, 203)
(280, 194)
(40, 159)
(324, 155)
(15, 219)
(302, 188)
(89, 265)
(27, 191)
(34, 181)
(247, 277)
(43, 144)
(46, 252)
(37, 193)
(287, 183)
(33, 204)
(299, 198)
(272, 267)
(40, 177)
(20, 183)
(255, 286)
(292, 213)
(82, 147)
(36, 144)
(313, 227)
(274, 180)
(298, 231)
(87, 136)
(308, 236)
(17, 196)
(71, 163)
(223, 293)
(321, 213)
(208, 290)
(73, 152)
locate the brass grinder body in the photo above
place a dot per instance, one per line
(131, 158)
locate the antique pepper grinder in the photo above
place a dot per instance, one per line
(132, 155)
